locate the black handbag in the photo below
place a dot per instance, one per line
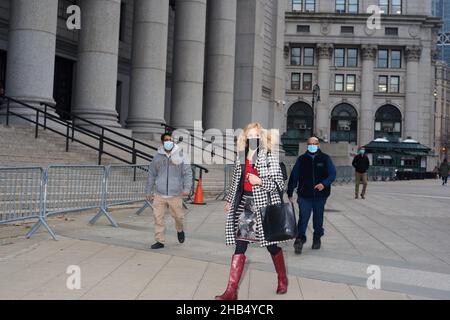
(278, 220)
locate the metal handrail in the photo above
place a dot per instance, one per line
(100, 137)
(213, 154)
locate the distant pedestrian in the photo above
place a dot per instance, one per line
(312, 176)
(171, 177)
(444, 170)
(361, 164)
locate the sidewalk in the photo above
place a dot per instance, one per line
(37, 270)
(402, 227)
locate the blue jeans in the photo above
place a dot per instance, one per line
(317, 206)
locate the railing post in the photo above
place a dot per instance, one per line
(36, 130)
(73, 129)
(100, 148)
(7, 112)
(67, 136)
(45, 117)
(134, 153)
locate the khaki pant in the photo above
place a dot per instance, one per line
(360, 177)
(160, 205)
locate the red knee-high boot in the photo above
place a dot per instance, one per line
(237, 266)
(280, 267)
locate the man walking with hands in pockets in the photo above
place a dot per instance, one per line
(171, 177)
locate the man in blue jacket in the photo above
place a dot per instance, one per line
(312, 176)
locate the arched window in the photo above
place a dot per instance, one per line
(300, 120)
(388, 123)
(344, 124)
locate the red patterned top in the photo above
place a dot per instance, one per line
(248, 169)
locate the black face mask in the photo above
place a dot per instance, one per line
(253, 144)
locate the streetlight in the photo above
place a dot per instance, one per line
(315, 98)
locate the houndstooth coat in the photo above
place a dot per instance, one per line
(270, 173)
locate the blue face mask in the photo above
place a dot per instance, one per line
(312, 148)
(362, 152)
(168, 145)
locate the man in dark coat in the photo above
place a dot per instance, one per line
(361, 164)
(312, 176)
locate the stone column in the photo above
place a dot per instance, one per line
(189, 56)
(413, 54)
(148, 70)
(31, 51)
(96, 82)
(220, 64)
(324, 52)
(366, 116)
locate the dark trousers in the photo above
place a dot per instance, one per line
(444, 179)
(317, 206)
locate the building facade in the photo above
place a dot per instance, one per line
(441, 9)
(139, 64)
(375, 82)
(442, 110)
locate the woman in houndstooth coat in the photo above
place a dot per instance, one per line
(257, 176)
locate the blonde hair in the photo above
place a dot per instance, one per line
(266, 137)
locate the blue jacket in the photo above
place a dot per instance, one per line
(309, 171)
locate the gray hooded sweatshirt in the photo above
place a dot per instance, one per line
(170, 174)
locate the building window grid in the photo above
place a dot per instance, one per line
(388, 84)
(295, 81)
(304, 5)
(297, 84)
(346, 57)
(308, 57)
(389, 59)
(393, 7)
(347, 6)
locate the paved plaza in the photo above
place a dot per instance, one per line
(402, 227)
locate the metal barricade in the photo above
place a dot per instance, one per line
(71, 189)
(125, 184)
(20, 193)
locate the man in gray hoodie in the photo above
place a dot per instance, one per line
(169, 180)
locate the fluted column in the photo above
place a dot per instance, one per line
(148, 70)
(189, 57)
(31, 50)
(324, 52)
(220, 64)
(413, 54)
(366, 120)
(96, 83)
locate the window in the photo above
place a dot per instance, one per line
(382, 58)
(347, 6)
(352, 57)
(308, 57)
(339, 57)
(351, 83)
(303, 28)
(390, 6)
(296, 56)
(347, 29)
(339, 82)
(395, 84)
(396, 59)
(344, 123)
(340, 6)
(353, 6)
(310, 5)
(297, 5)
(388, 123)
(295, 81)
(384, 6)
(396, 7)
(391, 31)
(307, 81)
(382, 83)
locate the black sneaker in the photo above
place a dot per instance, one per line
(157, 245)
(180, 236)
(316, 244)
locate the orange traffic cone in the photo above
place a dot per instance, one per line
(198, 199)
